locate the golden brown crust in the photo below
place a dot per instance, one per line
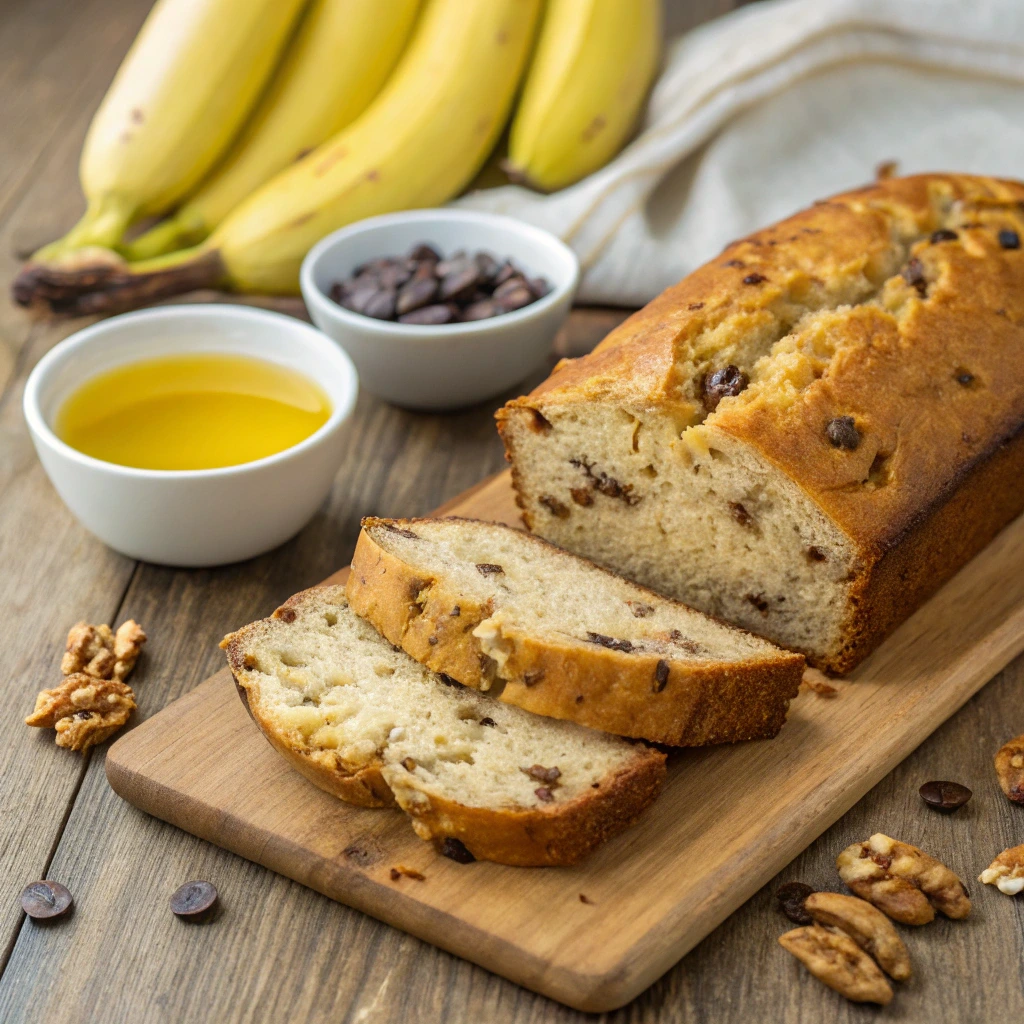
(545, 838)
(937, 472)
(677, 702)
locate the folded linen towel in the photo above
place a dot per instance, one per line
(759, 112)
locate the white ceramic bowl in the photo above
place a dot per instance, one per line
(192, 517)
(450, 365)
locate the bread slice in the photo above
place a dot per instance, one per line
(365, 722)
(500, 610)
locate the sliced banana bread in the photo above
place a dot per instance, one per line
(365, 722)
(812, 432)
(500, 610)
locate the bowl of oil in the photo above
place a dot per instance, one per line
(192, 435)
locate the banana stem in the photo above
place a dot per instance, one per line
(103, 224)
(178, 232)
(107, 284)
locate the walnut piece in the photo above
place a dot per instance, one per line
(902, 881)
(83, 710)
(99, 652)
(1010, 769)
(866, 925)
(1006, 872)
(834, 958)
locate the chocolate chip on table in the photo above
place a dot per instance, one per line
(195, 901)
(454, 849)
(45, 900)
(723, 383)
(842, 432)
(945, 796)
(943, 235)
(791, 897)
(1009, 239)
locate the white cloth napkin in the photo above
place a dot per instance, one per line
(777, 104)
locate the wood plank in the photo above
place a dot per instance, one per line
(730, 817)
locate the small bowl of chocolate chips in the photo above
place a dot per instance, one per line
(441, 308)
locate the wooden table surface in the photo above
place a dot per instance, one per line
(280, 952)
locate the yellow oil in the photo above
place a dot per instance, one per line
(197, 411)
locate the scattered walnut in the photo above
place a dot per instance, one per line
(835, 959)
(901, 880)
(817, 682)
(868, 927)
(83, 710)
(1010, 769)
(1006, 872)
(99, 652)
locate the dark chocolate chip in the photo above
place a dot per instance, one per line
(695, 305)
(758, 601)
(408, 764)
(482, 310)
(842, 432)
(1009, 239)
(423, 251)
(455, 612)
(417, 293)
(357, 298)
(943, 235)
(195, 901)
(516, 298)
(542, 774)
(44, 900)
(545, 794)
(394, 275)
(815, 554)
(455, 849)
(488, 569)
(487, 720)
(83, 716)
(913, 274)
(723, 383)
(460, 283)
(429, 316)
(660, 675)
(531, 677)
(945, 796)
(755, 279)
(447, 679)
(965, 378)
(792, 897)
(740, 514)
(380, 305)
(610, 642)
(400, 531)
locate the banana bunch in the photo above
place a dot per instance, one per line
(372, 108)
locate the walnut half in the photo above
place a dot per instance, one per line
(99, 652)
(834, 958)
(866, 925)
(902, 881)
(1010, 769)
(83, 710)
(1006, 872)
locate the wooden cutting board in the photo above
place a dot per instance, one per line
(729, 819)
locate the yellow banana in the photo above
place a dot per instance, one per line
(418, 144)
(188, 81)
(593, 65)
(340, 58)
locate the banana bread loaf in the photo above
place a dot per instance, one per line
(811, 433)
(535, 626)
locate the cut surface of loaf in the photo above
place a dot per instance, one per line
(365, 722)
(812, 432)
(538, 627)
